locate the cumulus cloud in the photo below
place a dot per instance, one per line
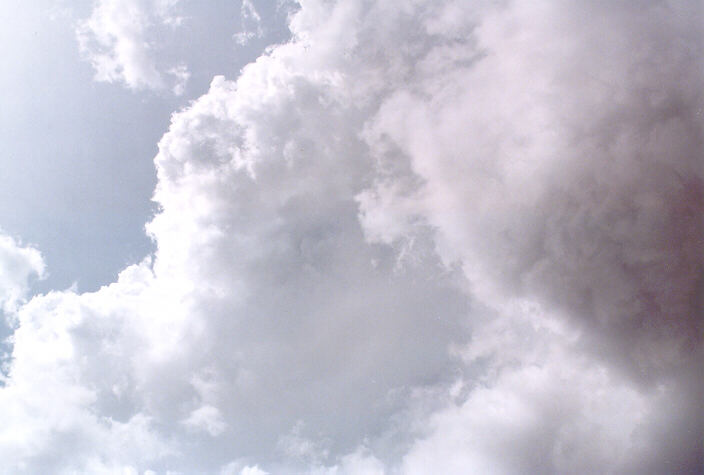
(560, 160)
(420, 237)
(119, 39)
(593, 200)
(539, 404)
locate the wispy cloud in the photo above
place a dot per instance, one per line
(250, 24)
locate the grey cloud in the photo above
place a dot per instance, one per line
(582, 191)
(565, 166)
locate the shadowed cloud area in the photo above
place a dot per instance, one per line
(419, 237)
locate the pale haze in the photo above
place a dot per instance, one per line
(352, 237)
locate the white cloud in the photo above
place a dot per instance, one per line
(239, 468)
(253, 471)
(18, 264)
(68, 401)
(119, 41)
(250, 24)
(336, 222)
(359, 462)
(252, 308)
(207, 418)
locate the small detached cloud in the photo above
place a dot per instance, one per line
(119, 39)
(18, 265)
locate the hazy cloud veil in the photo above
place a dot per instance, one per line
(420, 237)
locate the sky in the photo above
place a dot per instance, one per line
(355, 237)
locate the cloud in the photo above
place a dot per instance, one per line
(18, 264)
(207, 418)
(591, 201)
(559, 161)
(419, 237)
(539, 404)
(251, 24)
(236, 468)
(263, 304)
(119, 40)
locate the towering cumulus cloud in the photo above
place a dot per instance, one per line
(420, 237)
